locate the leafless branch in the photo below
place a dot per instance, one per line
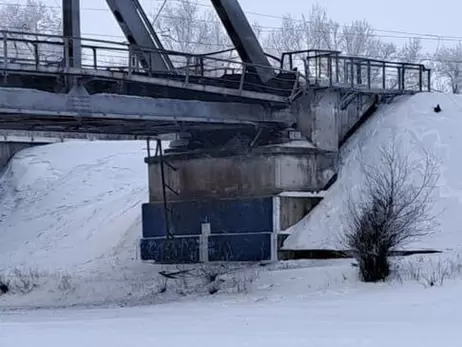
(395, 208)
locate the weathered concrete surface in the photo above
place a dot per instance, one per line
(293, 209)
(34, 102)
(348, 118)
(320, 119)
(8, 149)
(261, 173)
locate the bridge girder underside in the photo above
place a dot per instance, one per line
(83, 124)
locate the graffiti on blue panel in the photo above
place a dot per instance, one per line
(175, 250)
(250, 247)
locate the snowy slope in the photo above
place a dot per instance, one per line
(412, 123)
(68, 204)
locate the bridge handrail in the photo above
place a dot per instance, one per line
(42, 46)
(331, 68)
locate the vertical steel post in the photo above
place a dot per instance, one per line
(420, 78)
(429, 87)
(384, 78)
(164, 191)
(368, 74)
(5, 49)
(71, 31)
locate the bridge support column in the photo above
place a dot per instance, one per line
(235, 197)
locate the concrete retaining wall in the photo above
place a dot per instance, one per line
(291, 210)
(9, 149)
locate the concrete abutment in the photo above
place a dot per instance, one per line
(9, 149)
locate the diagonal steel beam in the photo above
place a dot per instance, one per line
(243, 38)
(138, 30)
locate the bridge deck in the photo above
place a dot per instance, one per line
(25, 109)
(37, 55)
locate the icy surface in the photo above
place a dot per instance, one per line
(411, 123)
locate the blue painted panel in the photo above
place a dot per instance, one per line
(225, 216)
(187, 217)
(252, 247)
(162, 250)
(241, 215)
(152, 217)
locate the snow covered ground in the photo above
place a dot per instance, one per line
(70, 204)
(286, 310)
(413, 125)
(73, 210)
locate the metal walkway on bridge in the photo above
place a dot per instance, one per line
(35, 63)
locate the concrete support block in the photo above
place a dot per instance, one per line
(322, 121)
(316, 114)
(260, 173)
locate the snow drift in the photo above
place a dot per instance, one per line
(68, 204)
(413, 125)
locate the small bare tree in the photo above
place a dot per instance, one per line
(395, 207)
(186, 27)
(33, 17)
(313, 31)
(449, 67)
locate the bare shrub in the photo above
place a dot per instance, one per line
(430, 272)
(4, 288)
(162, 285)
(23, 280)
(244, 280)
(229, 277)
(211, 273)
(211, 276)
(395, 207)
(65, 283)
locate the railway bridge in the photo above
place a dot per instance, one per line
(256, 138)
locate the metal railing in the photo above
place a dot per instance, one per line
(36, 52)
(330, 68)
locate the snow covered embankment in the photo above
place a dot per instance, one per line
(412, 123)
(69, 204)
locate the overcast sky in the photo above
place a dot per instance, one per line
(440, 17)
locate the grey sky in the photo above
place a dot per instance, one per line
(438, 18)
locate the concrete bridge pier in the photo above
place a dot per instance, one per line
(230, 207)
(223, 206)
